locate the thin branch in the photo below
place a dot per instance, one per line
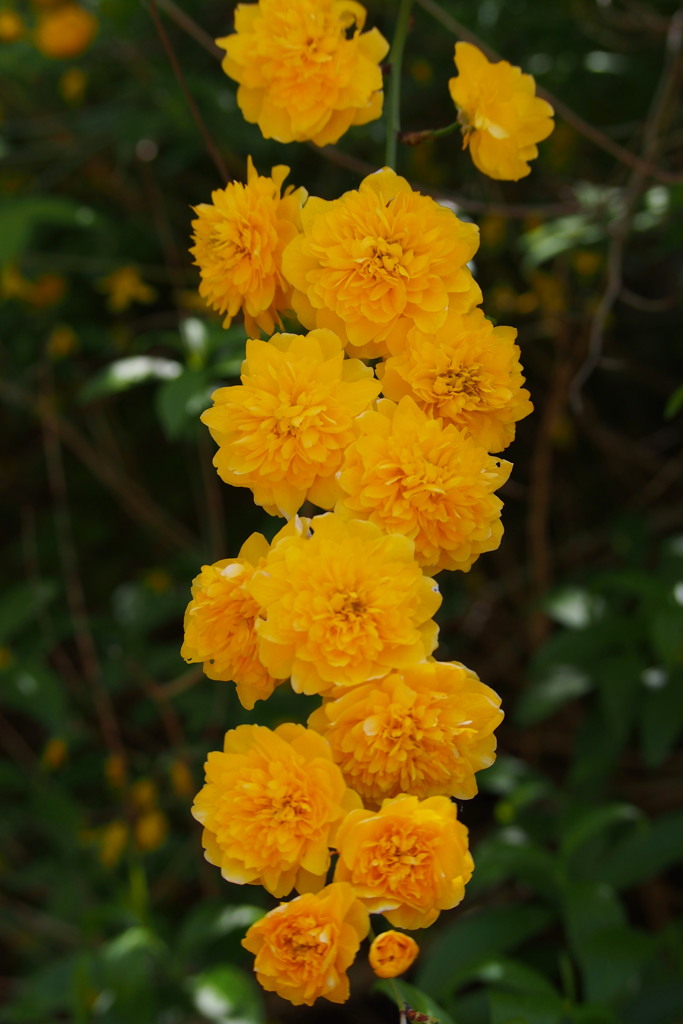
(622, 226)
(194, 110)
(191, 27)
(589, 131)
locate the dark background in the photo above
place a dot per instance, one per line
(109, 505)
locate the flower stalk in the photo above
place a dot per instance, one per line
(395, 61)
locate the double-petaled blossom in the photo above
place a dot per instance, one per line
(220, 623)
(501, 116)
(304, 948)
(374, 262)
(392, 953)
(467, 372)
(305, 68)
(411, 474)
(409, 861)
(271, 805)
(283, 430)
(239, 239)
(425, 731)
(342, 605)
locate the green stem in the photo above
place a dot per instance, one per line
(394, 95)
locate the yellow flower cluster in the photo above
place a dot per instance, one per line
(386, 413)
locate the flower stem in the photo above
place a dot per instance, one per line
(394, 96)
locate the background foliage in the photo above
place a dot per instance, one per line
(109, 505)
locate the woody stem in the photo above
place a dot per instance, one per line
(394, 94)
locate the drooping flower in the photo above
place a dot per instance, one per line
(239, 239)
(414, 475)
(306, 70)
(392, 953)
(65, 32)
(283, 430)
(270, 808)
(424, 731)
(501, 116)
(374, 262)
(409, 861)
(304, 948)
(220, 623)
(343, 605)
(467, 372)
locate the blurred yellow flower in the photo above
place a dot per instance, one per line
(304, 948)
(239, 239)
(270, 808)
(502, 119)
(72, 85)
(305, 68)
(61, 341)
(283, 430)
(220, 623)
(115, 771)
(392, 953)
(374, 262)
(143, 794)
(181, 778)
(113, 839)
(55, 753)
(411, 474)
(423, 731)
(151, 830)
(11, 26)
(467, 372)
(343, 606)
(409, 861)
(125, 286)
(65, 31)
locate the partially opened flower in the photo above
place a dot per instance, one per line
(306, 70)
(501, 117)
(414, 475)
(283, 430)
(467, 372)
(392, 953)
(270, 808)
(220, 623)
(409, 861)
(424, 731)
(304, 948)
(239, 239)
(343, 605)
(374, 262)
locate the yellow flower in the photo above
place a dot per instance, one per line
(409, 861)
(374, 262)
(343, 606)
(283, 430)
(239, 240)
(123, 287)
(151, 830)
(424, 731)
(467, 372)
(414, 475)
(11, 26)
(502, 118)
(303, 948)
(392, 953)
(65, 32)
(306, 71)
(220, 623)
(271, 806)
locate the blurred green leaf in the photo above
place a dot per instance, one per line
(527, 1008)
(416, 999)
(181, 401)
(559, 685)
(227, 995)
(20, 215)
(21, 604)
(661, 719)
(128, 373)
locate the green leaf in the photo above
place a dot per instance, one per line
(661, 719)
(591, 822)
(474, 937)
(19, 216)
(128, 373)
(20, 604)
(527, 1008)
(653, 848)
(415, 998)
(227, 995)
(561, 684)
(674, 403)
(180, 402)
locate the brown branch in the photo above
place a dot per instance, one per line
(194, 110)
(589, 131)
(191, 27)
(621, 228)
